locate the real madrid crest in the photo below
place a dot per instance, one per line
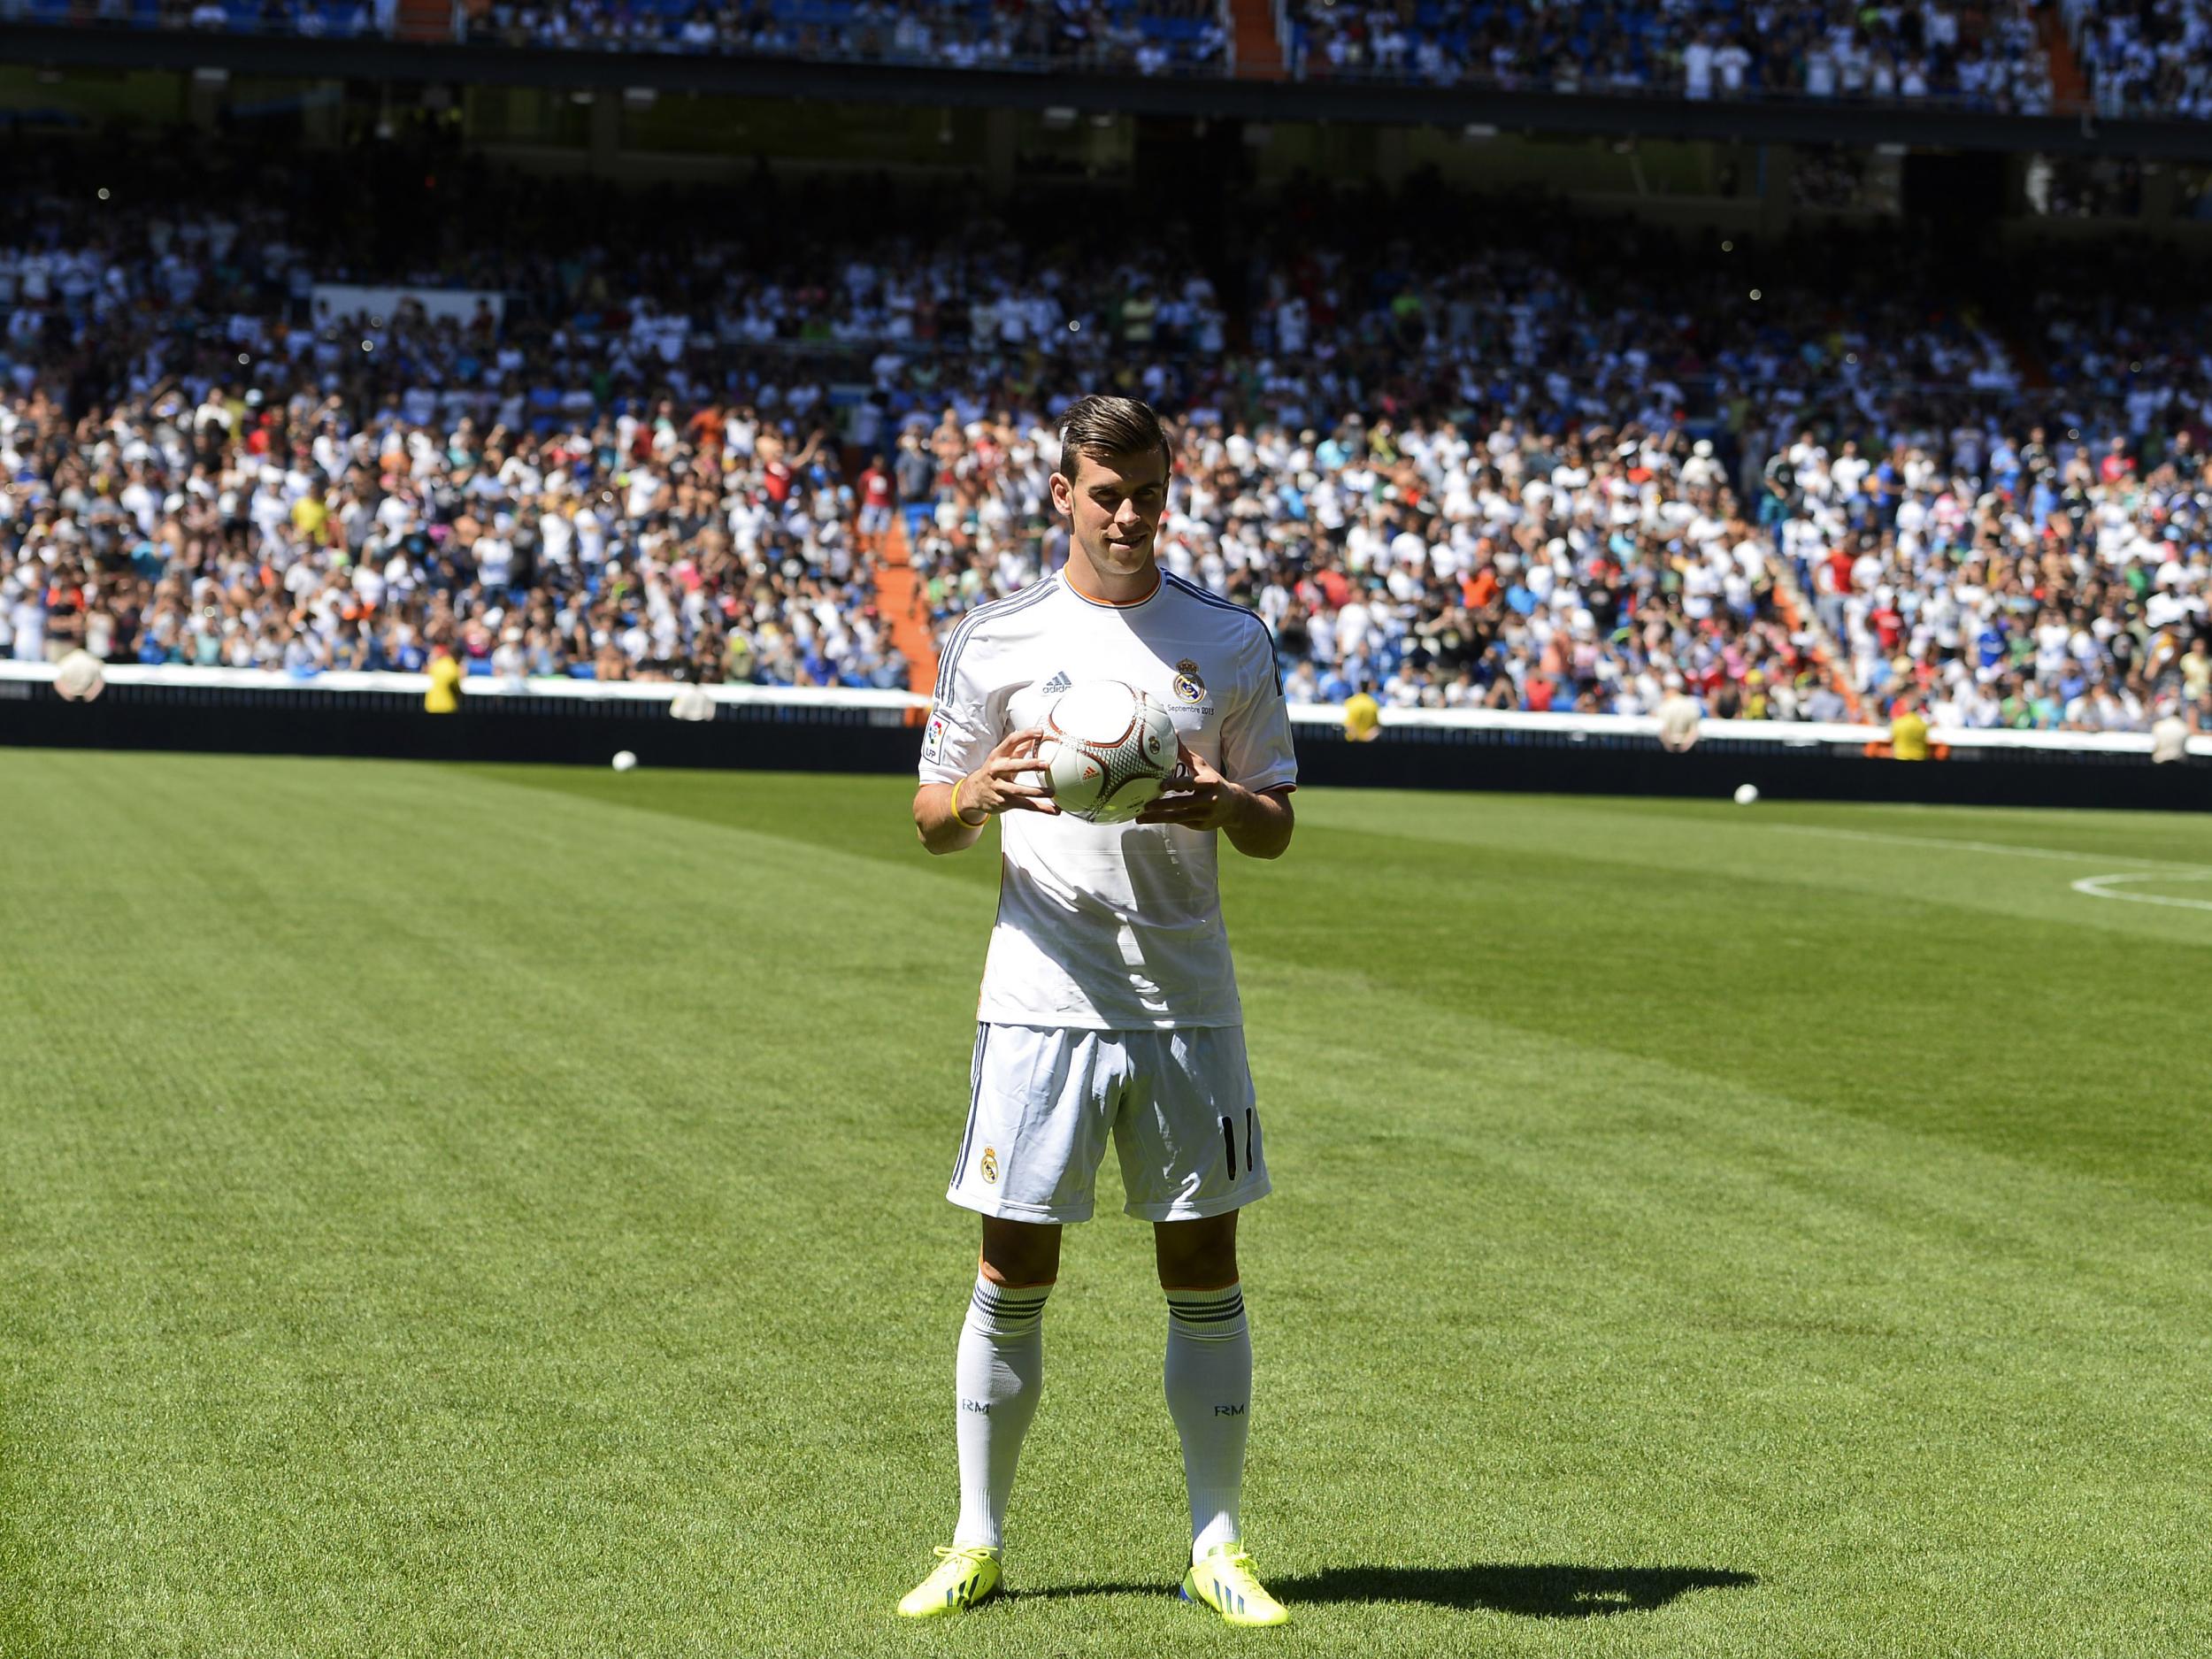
(1190, 686)
(989, 1171)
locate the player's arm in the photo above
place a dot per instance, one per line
(1257, 822)
(949, 816)
(1265, 829)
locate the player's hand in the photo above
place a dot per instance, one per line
(999, 785)
(1197, 796)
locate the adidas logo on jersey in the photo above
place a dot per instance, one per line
(1057, 684)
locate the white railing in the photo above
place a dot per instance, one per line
(1792, 733)
(477, 686)
(1795, 733)
(1806, 734)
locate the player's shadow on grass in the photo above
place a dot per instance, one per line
(1529, 1592)
(1550, 1591)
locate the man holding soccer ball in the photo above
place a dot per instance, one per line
(1110, 1002)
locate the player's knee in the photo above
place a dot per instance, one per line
(1020, 1252)
(1196, 1254)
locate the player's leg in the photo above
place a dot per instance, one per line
(999, 1370)
(1028, 1161)
(1209, 1369)
(1209, 1374)
(998, 1376)
(1191, 1159)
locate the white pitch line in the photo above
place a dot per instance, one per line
(2093, 886)
(1949, 845)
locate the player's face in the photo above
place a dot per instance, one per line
(1115, 503)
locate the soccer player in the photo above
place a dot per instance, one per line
(1110, 1002)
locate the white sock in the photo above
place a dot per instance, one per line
(1209, 1396)
(999, 1372)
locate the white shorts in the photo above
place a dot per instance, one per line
(1042, 1101)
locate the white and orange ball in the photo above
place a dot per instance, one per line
(1108, 750)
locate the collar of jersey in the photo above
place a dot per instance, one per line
(1159, 581)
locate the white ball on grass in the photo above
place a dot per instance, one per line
(624, 760)
(1746, 794)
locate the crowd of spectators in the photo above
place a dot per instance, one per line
(2034, 572)
(1518, 460)
(633, 471)
(2145, 59)
(223, 533)
(1519, 511)
(2035, 581)
(1145, 38)
(2136, 58)
(1148, 38)
(313, 19)
(1987, 57)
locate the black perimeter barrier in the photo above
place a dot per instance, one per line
(762, 737)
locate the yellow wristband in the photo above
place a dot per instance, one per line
(955, 809)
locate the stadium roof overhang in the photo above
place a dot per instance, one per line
(1775, 121)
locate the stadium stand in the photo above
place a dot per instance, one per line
(1490, 469)
(1980, 58)
(332, 20)
(2143, 59)
(1146, 37)
(2012, 56)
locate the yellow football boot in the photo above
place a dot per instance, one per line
(964, 1577)
(1224, 1581)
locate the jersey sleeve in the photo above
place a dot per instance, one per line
(958, 736)
(1256, 746)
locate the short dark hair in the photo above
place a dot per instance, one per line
(1101, 425)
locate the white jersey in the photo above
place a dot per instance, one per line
(1112, 926)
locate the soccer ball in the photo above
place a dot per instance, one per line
(1746, 794)
(1108, 750)
(624, 760)
(79, 678)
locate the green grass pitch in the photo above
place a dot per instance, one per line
(498, 1211)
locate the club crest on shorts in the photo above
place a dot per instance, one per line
(987, 1167)
(1190, 686)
